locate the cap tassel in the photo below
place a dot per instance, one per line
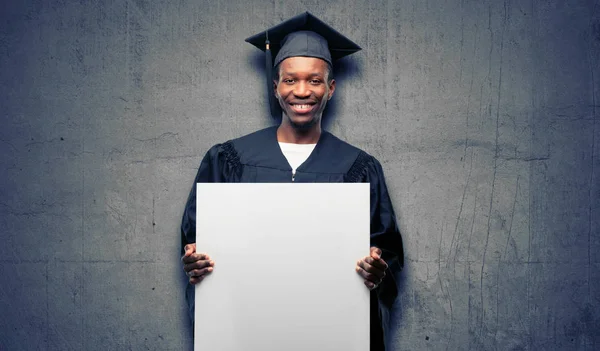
(269, 66)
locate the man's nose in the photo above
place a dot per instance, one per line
(301, 90)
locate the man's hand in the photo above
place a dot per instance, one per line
(372, 268)
(196, 266)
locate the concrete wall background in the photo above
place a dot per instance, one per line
(484, 115)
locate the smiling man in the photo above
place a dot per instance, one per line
(298, 150)
(303, 87)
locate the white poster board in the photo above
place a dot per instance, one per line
(284, 275)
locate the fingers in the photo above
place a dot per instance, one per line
(369, 273)
(199, 273)
(371, 280)
(375, 259)
(196, 265)
(198, 270)
(372, 268)
(370, 285)
(197, 279)
(200, 264)
(193, 257)
(379, 264)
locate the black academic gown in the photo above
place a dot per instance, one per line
(257, 158)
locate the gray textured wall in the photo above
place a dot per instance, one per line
(484, 115)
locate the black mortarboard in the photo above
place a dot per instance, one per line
(303, 35)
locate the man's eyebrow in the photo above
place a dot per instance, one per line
(314, 74)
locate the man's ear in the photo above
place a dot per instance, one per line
(275, 88)
(331, 89)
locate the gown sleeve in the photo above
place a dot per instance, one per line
(220, 164)
(385, 233)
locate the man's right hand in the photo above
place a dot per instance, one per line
(196, 266)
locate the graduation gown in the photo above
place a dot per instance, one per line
(257, 158)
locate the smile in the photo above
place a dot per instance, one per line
(302, 108)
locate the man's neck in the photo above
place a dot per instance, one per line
(287, 133)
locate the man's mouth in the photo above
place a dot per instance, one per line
(302, 108)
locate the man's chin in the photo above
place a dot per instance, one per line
(303, 122)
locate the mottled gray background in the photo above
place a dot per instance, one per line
(484, 115)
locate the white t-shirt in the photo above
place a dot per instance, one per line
(296, 154)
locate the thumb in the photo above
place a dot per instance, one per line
(375, 252)
(189, 249)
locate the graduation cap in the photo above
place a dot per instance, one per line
(303, 35)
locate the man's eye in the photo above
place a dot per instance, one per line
(288, 80)
(316, 81)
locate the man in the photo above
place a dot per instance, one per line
(298, 150)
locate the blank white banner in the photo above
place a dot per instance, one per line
(284, 276)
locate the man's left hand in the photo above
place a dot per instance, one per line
(372, 268)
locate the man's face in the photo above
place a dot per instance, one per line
(303, 90)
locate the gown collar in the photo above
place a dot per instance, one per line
(312, 158)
